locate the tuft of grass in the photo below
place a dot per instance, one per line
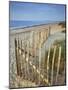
(62, 24)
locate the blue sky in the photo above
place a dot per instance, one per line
(36, 11)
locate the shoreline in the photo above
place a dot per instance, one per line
(54, 27)
(23, 27)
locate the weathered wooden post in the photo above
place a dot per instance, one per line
(35, 60)
(27, 60)
(16, 48)
(16, 54)
(22, 59)
(52, 70)
(40, 42)
(49, 31)
(48, 64)
(39, 62)
(19, 58)
(20, 53)
(58, 66)
(25, 57)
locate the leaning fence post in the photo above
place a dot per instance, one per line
(21, 54)
(27, 59)
(39, 54)
(39, 62)
(35, 57)
(23, 59)
(49, 31)
(53, 65)
(48, 64)
(19, 58)
(59, 58)
(16, 54)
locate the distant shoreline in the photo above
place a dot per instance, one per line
(23, 27)
(54, 27)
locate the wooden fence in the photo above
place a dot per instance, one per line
(32, 65)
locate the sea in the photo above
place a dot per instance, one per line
(21, 24)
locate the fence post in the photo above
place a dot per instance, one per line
(48, 64)
(59, 58)
(53, 65)
(35, 53)
(19, 58)
(39, 54)
(20, 52)
(22, 59)
(49, 30)
(25, 57)
(16, 54)
(39, 62)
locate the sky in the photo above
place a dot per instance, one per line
(26, 11)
